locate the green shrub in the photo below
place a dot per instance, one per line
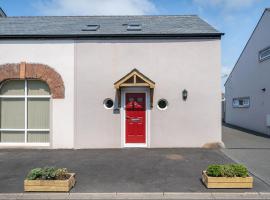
(229, 170)
(34, 174)
(48, 173)
(214, 170)
(240, 170)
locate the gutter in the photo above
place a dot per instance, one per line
(117, 36)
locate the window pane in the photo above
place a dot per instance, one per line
(38, 113)
(36, 87)
(12, 113)
(38, 136)
(240, 102)
(265, 53)
(11, 136)
(14, 87)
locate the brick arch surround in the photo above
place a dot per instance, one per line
(34, 71)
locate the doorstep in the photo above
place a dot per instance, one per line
(153, 196)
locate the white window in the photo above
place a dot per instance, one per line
(264, 54)
(242, 102)
(24, 112)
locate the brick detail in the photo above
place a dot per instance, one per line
(22, 70)
(34, 71)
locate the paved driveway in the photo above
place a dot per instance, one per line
(248, 148)
(119, 170)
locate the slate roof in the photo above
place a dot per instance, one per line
(74, 26)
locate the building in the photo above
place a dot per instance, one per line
(109, 82)
(248, 86)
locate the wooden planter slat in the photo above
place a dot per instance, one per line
(227, 182)
(49, 185)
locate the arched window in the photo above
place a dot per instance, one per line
(24, 111)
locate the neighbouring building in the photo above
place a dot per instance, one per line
(248, 86)
(109, 82)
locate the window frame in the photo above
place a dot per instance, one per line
(261, 59)
(167, 104)
(105, 101)
(26, 129)
(241, 106)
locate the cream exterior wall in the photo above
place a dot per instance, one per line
(60, 56)
(174, 65)
(248, 79)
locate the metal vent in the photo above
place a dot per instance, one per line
(91, 27)
(134, 27)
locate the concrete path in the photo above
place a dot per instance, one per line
(250, 149)
(119, 170)
(134, 196)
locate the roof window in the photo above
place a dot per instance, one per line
(134, 27)
(91, 27)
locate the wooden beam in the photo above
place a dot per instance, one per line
(151, 97)
(118, 92)
(134, 85)
(134, 74)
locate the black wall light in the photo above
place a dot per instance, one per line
(184, 94)
(263, 89)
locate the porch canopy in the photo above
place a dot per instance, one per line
(134, 79)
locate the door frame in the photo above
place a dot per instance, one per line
(124, 91)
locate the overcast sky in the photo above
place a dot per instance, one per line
(236, 18)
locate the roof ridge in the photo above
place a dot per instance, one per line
(192, 15)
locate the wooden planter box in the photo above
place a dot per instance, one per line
(49, 185)
(227, 182)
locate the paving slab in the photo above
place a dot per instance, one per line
(265, 195)
(245, 195)
(120, 170)
(188, 196)
(135, 196)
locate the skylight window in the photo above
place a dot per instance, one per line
(91, 27)
(134, 27)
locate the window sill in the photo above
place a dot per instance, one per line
(17, 145)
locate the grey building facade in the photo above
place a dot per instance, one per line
(247, 88)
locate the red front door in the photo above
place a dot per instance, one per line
(135, 118)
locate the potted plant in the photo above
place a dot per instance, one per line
(227, 176)
(49, 179)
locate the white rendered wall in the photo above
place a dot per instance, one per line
(60, 56)
(174, 65)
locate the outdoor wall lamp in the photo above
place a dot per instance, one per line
(263, 89)
(185, 94)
